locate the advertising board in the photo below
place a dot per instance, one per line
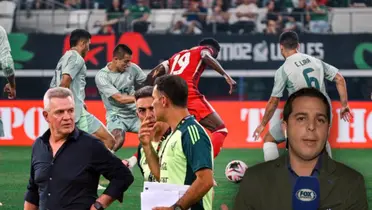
(23, 123)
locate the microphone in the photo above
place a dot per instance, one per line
(306, 193)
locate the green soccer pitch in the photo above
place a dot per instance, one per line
(15, 166)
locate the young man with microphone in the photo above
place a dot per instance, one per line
(306, 177)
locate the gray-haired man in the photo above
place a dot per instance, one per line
(66, 162)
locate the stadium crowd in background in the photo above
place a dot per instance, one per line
(175, 4)
(203, 16)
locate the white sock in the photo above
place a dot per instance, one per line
(132, 161)
(329, 149)
(271, 151)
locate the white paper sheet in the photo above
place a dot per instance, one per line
(156, 186)
(154, 199)
(157, 194)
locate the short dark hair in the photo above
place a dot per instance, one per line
(175, 88)
(210, 42)
(309, 92)
(78, 35)
(289, 40)
(143, 92)
(122, 49)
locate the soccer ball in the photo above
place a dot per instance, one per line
(235, 170)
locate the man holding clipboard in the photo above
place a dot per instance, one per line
(186, 156)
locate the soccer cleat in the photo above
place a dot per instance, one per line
(100, 187)
(125, 162)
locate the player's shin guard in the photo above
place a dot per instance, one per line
(271, 151)
(218, 137)
(329, 149)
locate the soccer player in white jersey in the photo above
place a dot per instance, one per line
(116, 83)
(298, 71)
(71, 73)
(7, 66)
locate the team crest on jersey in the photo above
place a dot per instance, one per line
(114, 118)
(124, 90)
(173, 145)
(163, 166)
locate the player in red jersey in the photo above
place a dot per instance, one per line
(190, 64)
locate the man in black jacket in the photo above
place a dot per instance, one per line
(66, 163)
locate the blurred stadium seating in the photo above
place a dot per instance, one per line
(344, 20)
(336, 31)
(63, 19)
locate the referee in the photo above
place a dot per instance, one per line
(186, 156)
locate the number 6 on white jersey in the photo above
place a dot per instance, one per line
(182, 62)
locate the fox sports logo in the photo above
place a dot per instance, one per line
(306, 195)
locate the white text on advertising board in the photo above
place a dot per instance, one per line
(32, 122)
(263, 52)
(357, 131)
